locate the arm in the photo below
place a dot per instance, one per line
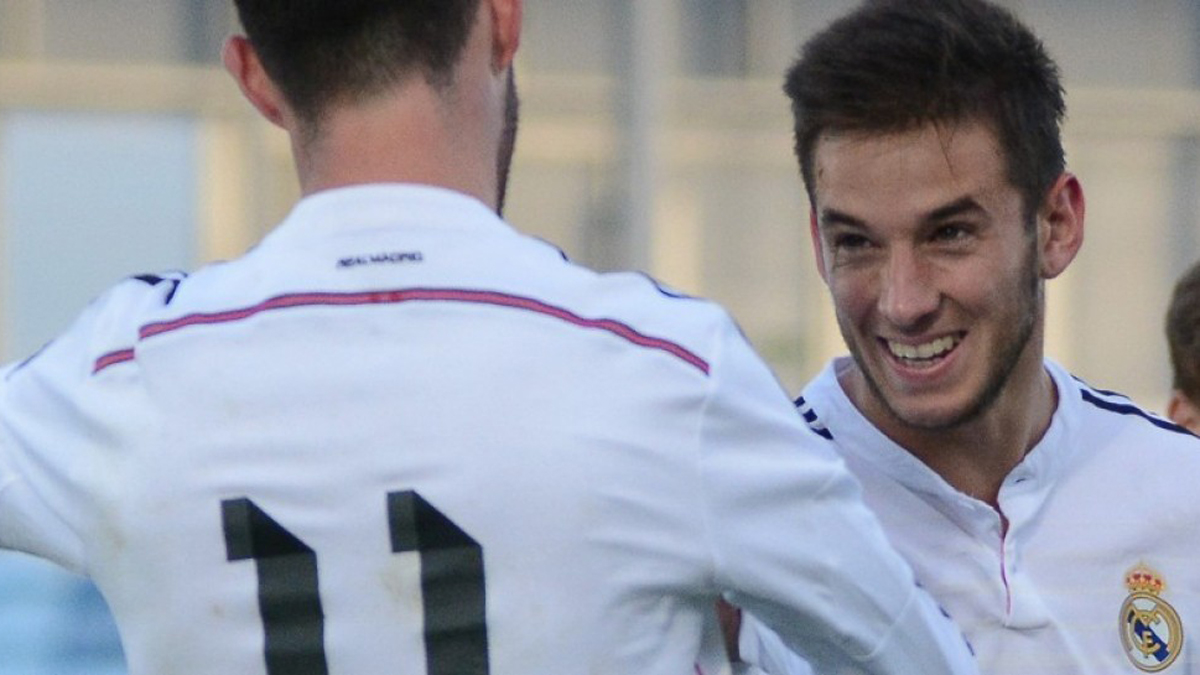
(57, 425)
(793, 542)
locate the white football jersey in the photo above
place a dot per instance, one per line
(399, 437)
(1098, 570)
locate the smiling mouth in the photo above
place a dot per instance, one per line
(924, 354)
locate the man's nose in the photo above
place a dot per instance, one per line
(907, 293)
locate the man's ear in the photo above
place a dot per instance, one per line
(1182, 411)
(814, 232)
(247, 70)
(506, 32)
(1060, 225)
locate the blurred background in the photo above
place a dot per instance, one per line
(654, 136)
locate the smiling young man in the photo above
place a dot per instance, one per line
(1054, 521)
(936, 273)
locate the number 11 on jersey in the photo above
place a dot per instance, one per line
(289, 601)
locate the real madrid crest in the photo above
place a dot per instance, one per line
(1151, 631)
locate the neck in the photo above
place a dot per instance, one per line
(975, 456)
(409, 135)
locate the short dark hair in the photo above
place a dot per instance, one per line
(1183, 333)
(898, 65)
(321, 52)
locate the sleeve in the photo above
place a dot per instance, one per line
(793, 542)
(58, 425)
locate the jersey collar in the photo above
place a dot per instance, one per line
(1032, 479)
(385, 205)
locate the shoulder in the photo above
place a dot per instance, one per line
(1106, 407)
(1114, 431)
(646, 312)
(652, 302)
(1122, 454)
(109, 324)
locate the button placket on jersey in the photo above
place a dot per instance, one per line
(1019, 499)
(983, 525)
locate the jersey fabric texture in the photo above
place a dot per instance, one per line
(397, 436)
(1097, 570)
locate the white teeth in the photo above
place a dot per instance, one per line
(923, 351)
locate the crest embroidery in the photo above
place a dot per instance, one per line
(1151, 631)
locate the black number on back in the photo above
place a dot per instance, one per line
(289, 601)
(451, 584)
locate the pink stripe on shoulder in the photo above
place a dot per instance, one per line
(112, 359)
(617, 328)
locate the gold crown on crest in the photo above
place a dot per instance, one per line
(1142, 579)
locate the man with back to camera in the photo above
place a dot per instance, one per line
(1054, 521)
(399, 437)
(1183, 343)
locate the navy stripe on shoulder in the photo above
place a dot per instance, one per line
(1128, 408)
(814, 421)
(156, 279)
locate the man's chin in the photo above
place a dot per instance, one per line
(929, 421)
(928, 415)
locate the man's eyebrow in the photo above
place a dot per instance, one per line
(834, 217)
(966, 204)
(957, 207)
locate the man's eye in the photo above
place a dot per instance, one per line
(850, 241)
(950, 233)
